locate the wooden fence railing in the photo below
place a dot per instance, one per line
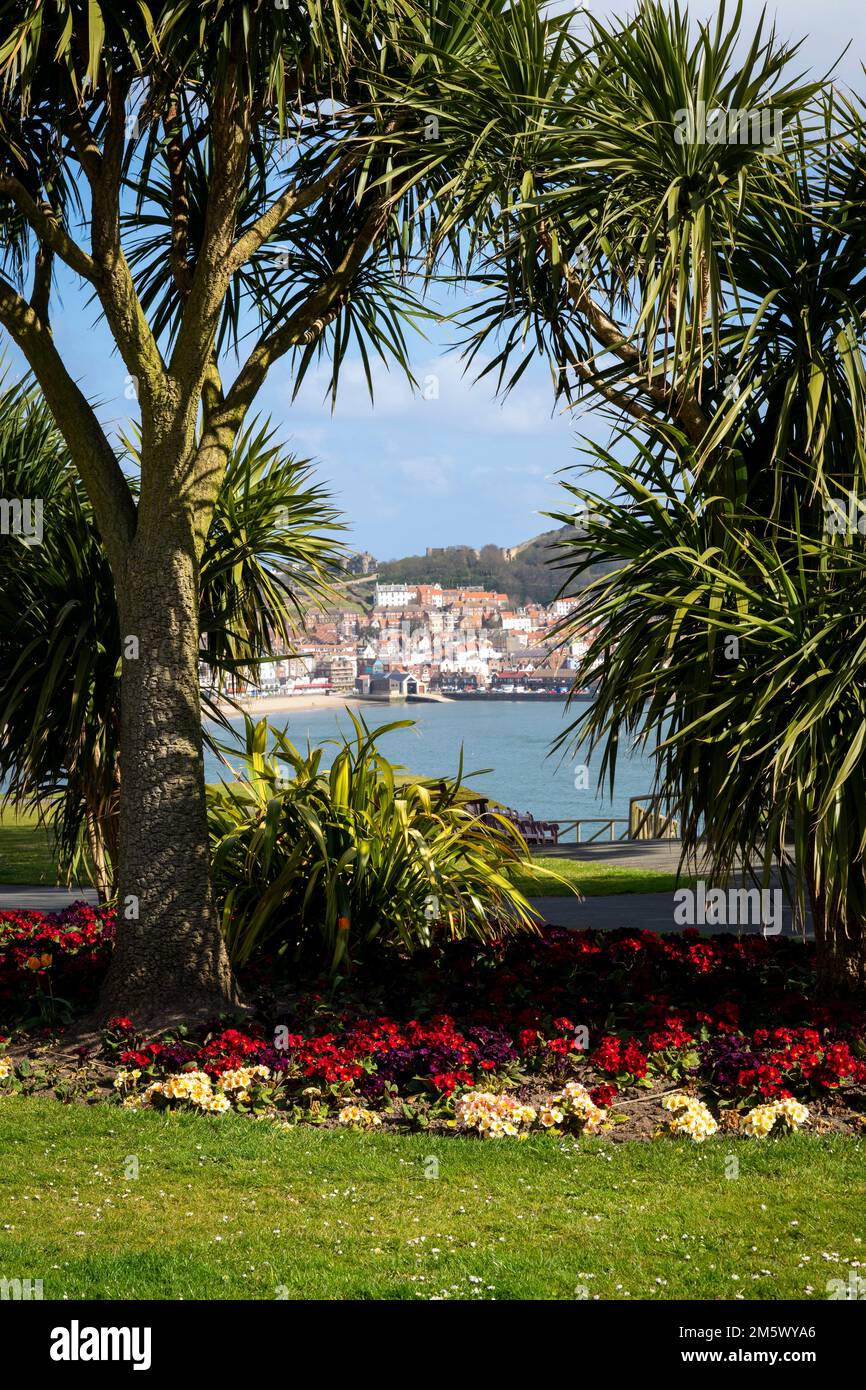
(647, 820)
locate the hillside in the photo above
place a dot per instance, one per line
(527, 573)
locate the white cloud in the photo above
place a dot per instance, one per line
(429, 475)
(447, 399)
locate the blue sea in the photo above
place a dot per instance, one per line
(507, 753)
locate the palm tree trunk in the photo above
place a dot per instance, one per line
(841, 951)
(840, 944)
(169, 960)
(102, 871)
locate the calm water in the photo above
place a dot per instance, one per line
(512, 738)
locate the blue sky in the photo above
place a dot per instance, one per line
(461, 468)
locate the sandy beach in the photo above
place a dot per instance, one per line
(285, 704)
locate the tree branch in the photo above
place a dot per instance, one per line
(683, 405)
(211, 277)
(307, 323)
(176, 162)
(42, 273)
(48, 228)
(224, 417)
(213, 395)
(289, 202)
(603, 388)
(87, 151)
(92, 454)
(115, 286)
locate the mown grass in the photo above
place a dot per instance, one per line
(26, 857)
(226, 1207)
(26, 854)
(595, 880)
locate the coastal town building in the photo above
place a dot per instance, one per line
(423, 638)
(393, 595)
(340, 672)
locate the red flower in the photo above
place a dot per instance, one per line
(444, 1081)
(135, 1059)
(604, 1095)
(607, 1056)
(634, 1060)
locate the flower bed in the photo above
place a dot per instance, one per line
(52, 963)
(566, 1031)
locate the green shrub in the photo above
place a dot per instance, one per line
(328, 860)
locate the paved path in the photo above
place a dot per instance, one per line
(625, 854)
(652, 911)
(42, 899)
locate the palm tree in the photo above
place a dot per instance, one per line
(237, 185)
(709, 294)
(272, 551)
(736, 654)
(602, 234)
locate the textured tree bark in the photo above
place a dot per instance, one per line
(102, 870)
(841, 957)
(840, 947)
(169, 960)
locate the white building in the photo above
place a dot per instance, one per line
(517, 622)
(394, 595)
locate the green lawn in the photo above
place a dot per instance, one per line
(597, 880)
(25, 857)
(226, 1207)
(25, 850)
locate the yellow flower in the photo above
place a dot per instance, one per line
(5, 1070)
(493, 1116)
(675, 1101)
(760, 1121)
(793, 1113)
(551, 1116)
(693, 1120)
(236, 1080)
(126, 1078)
(177, 1088)
(357, 1115)
(763, 1118)
(594, 1120)
(33, 963)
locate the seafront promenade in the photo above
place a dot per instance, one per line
(647, 911)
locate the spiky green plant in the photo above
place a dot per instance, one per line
(273, 549)
(738, 658)
(273, 159)
(710, 295)
(321, 862)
